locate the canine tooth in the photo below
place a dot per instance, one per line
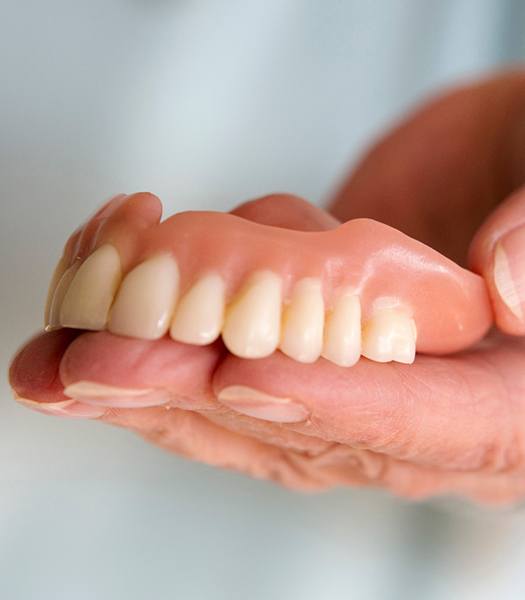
(53, 320)
(252, 323)
(342, 340)
(146, 300)
(303, 322)
(200, 313)
(88, 300)
(390, 335)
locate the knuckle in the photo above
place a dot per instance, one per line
(501, 456)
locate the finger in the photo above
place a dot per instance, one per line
(498, 253)
(416, 482)
(456, 413)
(228, 439)
(449, 413)
(35, 380)
(107, 370)
(193, 436)
(321, 462)
(441, 172)
(183, 375)
(104, 369)
(288, 211)
(102, 373)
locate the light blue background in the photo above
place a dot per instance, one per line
(208, 104)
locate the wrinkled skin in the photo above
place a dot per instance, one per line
(444, 425)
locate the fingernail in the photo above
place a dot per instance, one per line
(509, 271)
(91, 388)
(260, 405)
(65, 408)
(98, 394)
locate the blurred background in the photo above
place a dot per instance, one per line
(208, 104)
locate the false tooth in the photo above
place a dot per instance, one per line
(55, 305)
(88, 300)
(342, 341)
(59, 271)
(252, 323)
(200, 314)
(390, 335)
(303, 322)
(146, 300)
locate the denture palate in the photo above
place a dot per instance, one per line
(363, 289)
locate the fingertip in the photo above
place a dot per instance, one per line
(508, 216)
(33, 372)
(288, 211)
(103, 368)
(143, 207)
(506, 278)
(497, 252)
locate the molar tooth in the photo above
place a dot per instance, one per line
(53, 318)
(200, 314)
(146, 300)
(390, 335)
(342, 341)
(252, 323)
(88, 300)
(303, 322)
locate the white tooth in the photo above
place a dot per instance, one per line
(342, 339)
(57, 276)
(88, 300)
(53, 320)
(200, 313)
(303, 322)
(252, 323)
(390, 335)
(146, 300)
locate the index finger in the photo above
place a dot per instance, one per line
(462, 412)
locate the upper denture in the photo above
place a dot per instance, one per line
(255, 268)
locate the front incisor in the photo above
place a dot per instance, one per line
(200, 313)
(253, 320)
(146, 300)
(89, 297)
(303, 322)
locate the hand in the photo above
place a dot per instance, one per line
(442, 425)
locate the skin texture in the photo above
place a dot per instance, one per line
(444, 425)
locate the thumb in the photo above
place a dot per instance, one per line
(497, 252)
(444, 169)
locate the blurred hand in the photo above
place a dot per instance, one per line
(449, 176)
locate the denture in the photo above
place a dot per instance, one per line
(361, 289)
